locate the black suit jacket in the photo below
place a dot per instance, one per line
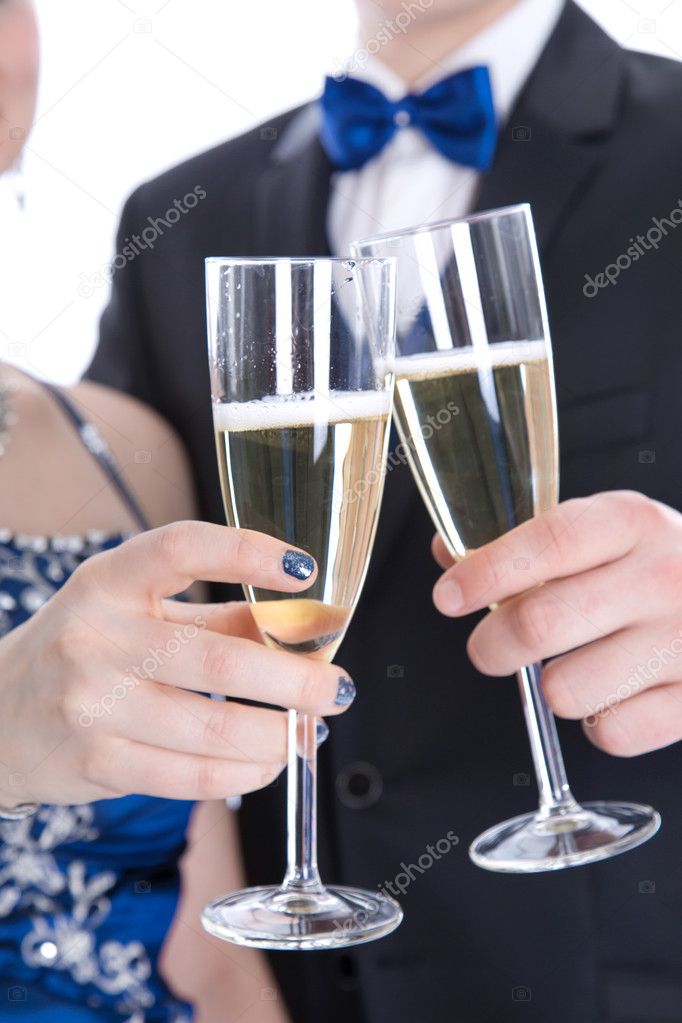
(595, 145)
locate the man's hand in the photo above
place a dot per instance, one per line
(596, 585)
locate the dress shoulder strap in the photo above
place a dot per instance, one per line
(93, 441)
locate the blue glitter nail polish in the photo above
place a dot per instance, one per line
(345, 693)
(321, 731)
(298, 565)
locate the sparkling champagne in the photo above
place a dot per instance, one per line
(308, 470)
(478, 429)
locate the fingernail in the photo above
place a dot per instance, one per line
(321, 731)
(298, 565)
(449, 597)
(345, 692)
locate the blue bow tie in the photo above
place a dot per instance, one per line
(456, 115)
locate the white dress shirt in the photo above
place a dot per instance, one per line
(409, 182)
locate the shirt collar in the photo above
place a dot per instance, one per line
(509, 48)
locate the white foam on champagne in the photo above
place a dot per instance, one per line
(283, 411)
(461, 360)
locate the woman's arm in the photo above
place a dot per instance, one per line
(222, 981)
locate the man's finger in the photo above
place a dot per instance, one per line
(561, 615)
(647, 722)
(594, 679)
(573, 537)
(441, 554)
(165, 561)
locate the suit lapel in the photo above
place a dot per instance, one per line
(555, 138)
(293, 193)
(547, 172)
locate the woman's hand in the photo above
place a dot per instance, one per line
(100, 691)
(609, 613)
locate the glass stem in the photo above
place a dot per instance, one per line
(302, 872)
(556, 798)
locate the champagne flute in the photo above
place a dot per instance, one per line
(475, 408)
(301, 357)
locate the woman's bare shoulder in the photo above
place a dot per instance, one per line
(146, 448)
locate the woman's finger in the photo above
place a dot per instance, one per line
(165, 561)
(233, 618)
(173, 719)
(150, 771)
(193, 657)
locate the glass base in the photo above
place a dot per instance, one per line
(280, 918)
(533, 843)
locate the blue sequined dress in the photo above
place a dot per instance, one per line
(87, 893)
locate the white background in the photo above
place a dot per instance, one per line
(129, 88)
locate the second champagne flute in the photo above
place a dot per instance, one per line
(301, 356)
(472, 333)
